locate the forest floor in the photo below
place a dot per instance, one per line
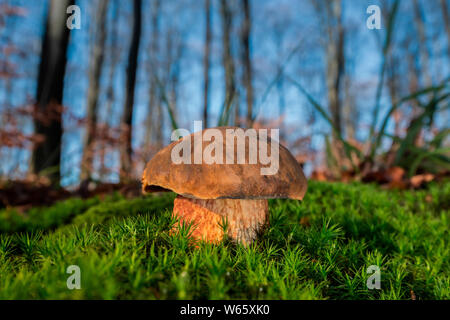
(321, 248)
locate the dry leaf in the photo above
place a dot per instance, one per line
(419, 180)
(413, 295)
(304, 221)
(319, 175)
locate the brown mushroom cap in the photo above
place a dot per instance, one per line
(222, 181)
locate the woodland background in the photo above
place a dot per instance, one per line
(88, 107)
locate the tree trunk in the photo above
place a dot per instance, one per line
(393, 87)
(95, 69)
(228, 63)
(153, 114)
(334, 73)
(335, 63)
(446, 23)
(126, 149)
(422, 45)
(110, 94)
(206, 63)
(48, 118)
(348, 110)
(174, 47)
(246, 60)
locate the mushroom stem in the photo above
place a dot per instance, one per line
(243, 218)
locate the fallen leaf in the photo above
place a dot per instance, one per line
(304, 221)
(413, 295)
(395, 174)
(395, 184)
(419, 180)
(319, 175)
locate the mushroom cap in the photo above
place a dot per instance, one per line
(225, 181)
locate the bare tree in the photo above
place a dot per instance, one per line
(114, 57)
(350, 114)
(246, 60)
(153, 125)
(174, 52)
(95, 69)
(422, 43)
(335, 60)
(126, 149)
(278, 34)
(48, 118)
(228, 62)
(392, 73)
(158, 81)
(446, 23)
(392, 82)
(330, 14)
(206, 62)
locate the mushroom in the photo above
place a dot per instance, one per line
(211, 193)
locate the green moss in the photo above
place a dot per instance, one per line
(122, 208)
(318, 249)
(43, 217)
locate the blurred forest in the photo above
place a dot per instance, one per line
(82, 108)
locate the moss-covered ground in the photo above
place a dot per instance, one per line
(320, 248)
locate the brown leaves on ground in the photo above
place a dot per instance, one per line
(396, 178)
(320, 175)
(304, 221)
(38, 192)
(389, 178)
(23, 193)
(90, 189)
(421, 179)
